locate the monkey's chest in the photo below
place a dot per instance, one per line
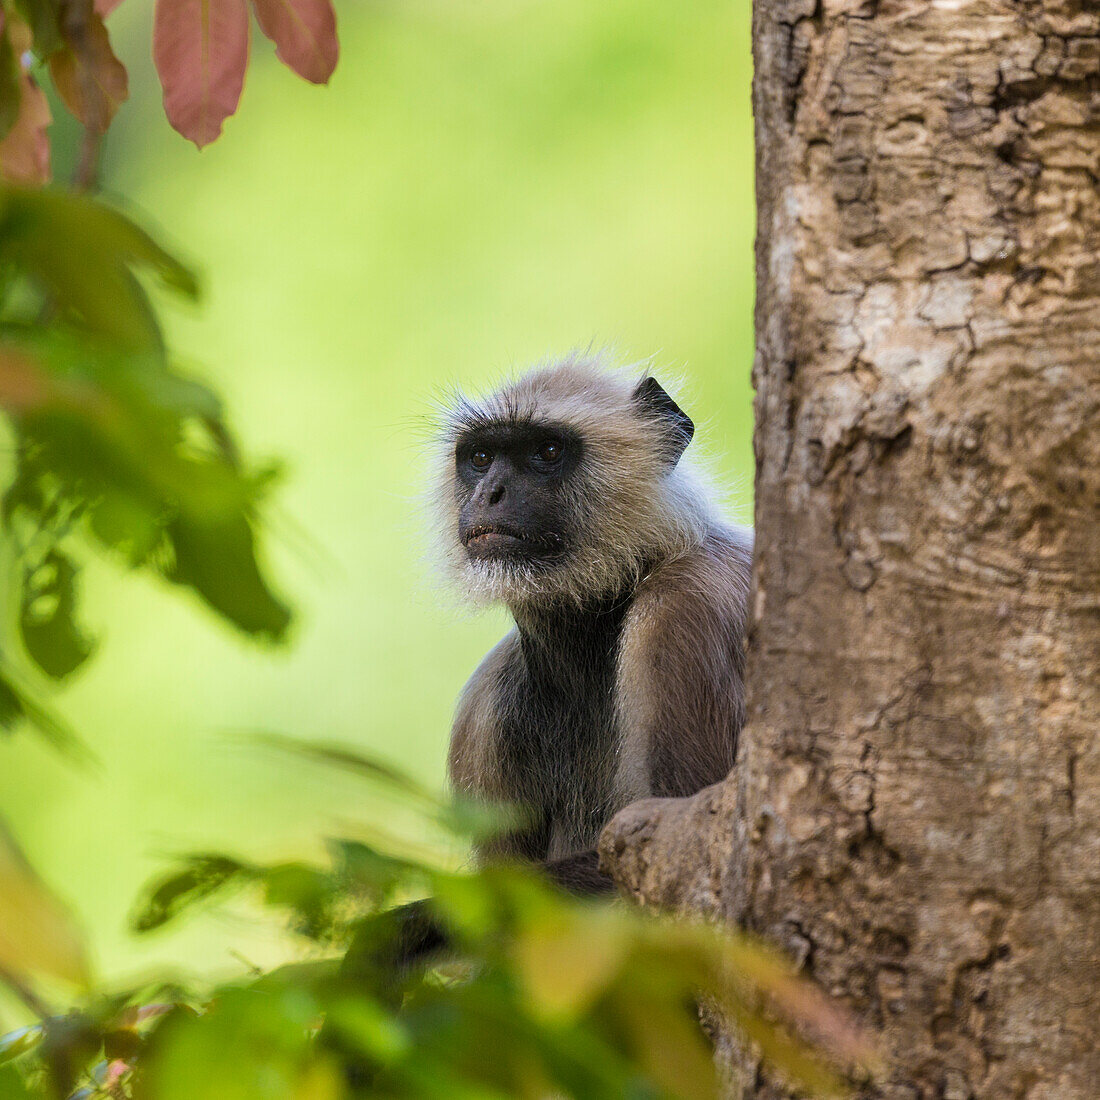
(561, 736)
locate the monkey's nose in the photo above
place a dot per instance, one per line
(497, 495)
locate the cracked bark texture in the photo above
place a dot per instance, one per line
(915, 813)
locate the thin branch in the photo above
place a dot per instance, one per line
(74, 18)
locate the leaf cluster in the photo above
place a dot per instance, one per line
(200, 48)
(540, 994)
(113, 449)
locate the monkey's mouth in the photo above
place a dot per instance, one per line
(489, 540)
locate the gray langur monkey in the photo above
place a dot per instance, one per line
(563, 496)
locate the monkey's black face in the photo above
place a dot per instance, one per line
(512, 491)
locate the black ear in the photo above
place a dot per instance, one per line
(676, 425)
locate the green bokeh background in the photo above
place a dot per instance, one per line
(482, 185)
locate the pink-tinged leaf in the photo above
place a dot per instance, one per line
(201, 52)
(304, 33)
(91, 81)
(103, 8)
(25, 152)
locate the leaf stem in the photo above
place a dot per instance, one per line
(86, 176)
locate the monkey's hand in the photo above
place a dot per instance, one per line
(579, 873)
(385, 945)
(389, 943)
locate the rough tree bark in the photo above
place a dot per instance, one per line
(916, 808)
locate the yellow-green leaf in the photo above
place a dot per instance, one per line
(566, 959)
(38, 935)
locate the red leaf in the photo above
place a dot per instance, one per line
(89, 78)
(103, 8)
(201, 51)
(25, 152)
(304, 33)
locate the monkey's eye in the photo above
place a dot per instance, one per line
(550, 451)
(481, 460)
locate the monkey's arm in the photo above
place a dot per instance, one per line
(419, 935)
(579, 873)
(474, 764)
(473, 759)
(681, 666)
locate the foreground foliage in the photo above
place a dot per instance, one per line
(543, 995)
(115, 450)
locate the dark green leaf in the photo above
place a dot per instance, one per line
(315, 975)
(217, 557)
(201, 878)
(306, 890)
(126, 524)
(91, 228)
(139, 450)
(250, 1045)
(362, 868)
(370, 1028)
(49, 631)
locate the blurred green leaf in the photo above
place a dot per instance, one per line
(472, 820)
(112, 444)
(566, 957)
(250, 1045)
(125, 524)
(50, 634)
(201, 877)
(538, 993)
(96, 419)
(347, 759)
(369, 1028)
(136, 454)
(17, 705)
(308, 892)
(83, 254)
(316, 976)
(13, 1086)
(70, 1049)
(217, 558)
(364, 870)
(481, 821)
(38, 936)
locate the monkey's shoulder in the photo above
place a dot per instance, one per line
(707, 587)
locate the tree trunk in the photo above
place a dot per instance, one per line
(915, 812)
